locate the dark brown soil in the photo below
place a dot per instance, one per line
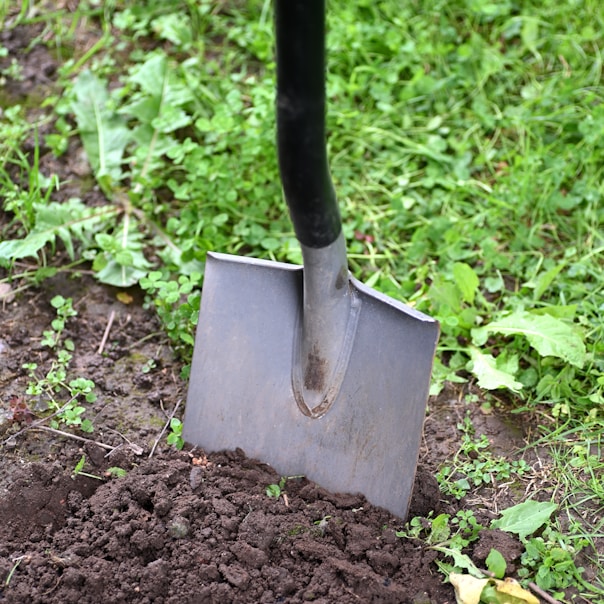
(181, 526)
(174, 531)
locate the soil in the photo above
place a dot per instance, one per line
(183, 526)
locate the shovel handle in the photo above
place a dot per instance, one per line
(309, 192)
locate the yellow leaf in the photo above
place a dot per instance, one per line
(124, 297)
(512, 588)
(467, 588)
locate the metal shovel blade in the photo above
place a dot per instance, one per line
(241, 393)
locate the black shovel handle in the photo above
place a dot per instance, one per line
(309, 192)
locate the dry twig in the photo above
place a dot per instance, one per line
(535, 588)
(163, 430)
(75, 437)
(107, 330)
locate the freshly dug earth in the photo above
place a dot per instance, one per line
(174, 531)
(183, 526)
(180, 526)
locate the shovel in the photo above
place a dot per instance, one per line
(307, 369)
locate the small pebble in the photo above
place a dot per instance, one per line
(179, 527)
(196, 477)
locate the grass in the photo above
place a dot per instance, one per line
(467, 148)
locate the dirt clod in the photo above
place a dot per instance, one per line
(507, 545)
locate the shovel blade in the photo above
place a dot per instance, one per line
(241, 396)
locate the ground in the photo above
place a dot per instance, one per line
(183, 526)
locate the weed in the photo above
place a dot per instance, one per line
(115, 472)
(469, 182)
(278, 490)
(13, 71)
(78, 470)
(548, 559)
(447, 536)
(50, 391)
(176, 303)
(148, 366)
(425, 144)
(64, 309)
(474, 466)
(175, 436)
(48, 221)
(16, 561)
(22, 183)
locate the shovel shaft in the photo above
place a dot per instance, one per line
(328, 319)
(309, 192)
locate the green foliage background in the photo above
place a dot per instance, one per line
(466, 145)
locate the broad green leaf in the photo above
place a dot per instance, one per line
(7, 249)
(158, 108)
(145, 108)
(64, 220)
(467, 281)
(119, 275)
(150, 146)
(103, 132)
(150, 74)
(175, 27)
(439, 530)
(161, 82)
(548, 335)
(460, 561)
(445, 295)
(494, 284)
(525, 518)
(490, 376)
(496, 563)
(14, 249)
(170, 119)
(122, 261)
(566, 311)
(173, 255)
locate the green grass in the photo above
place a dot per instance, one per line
(467, 148)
